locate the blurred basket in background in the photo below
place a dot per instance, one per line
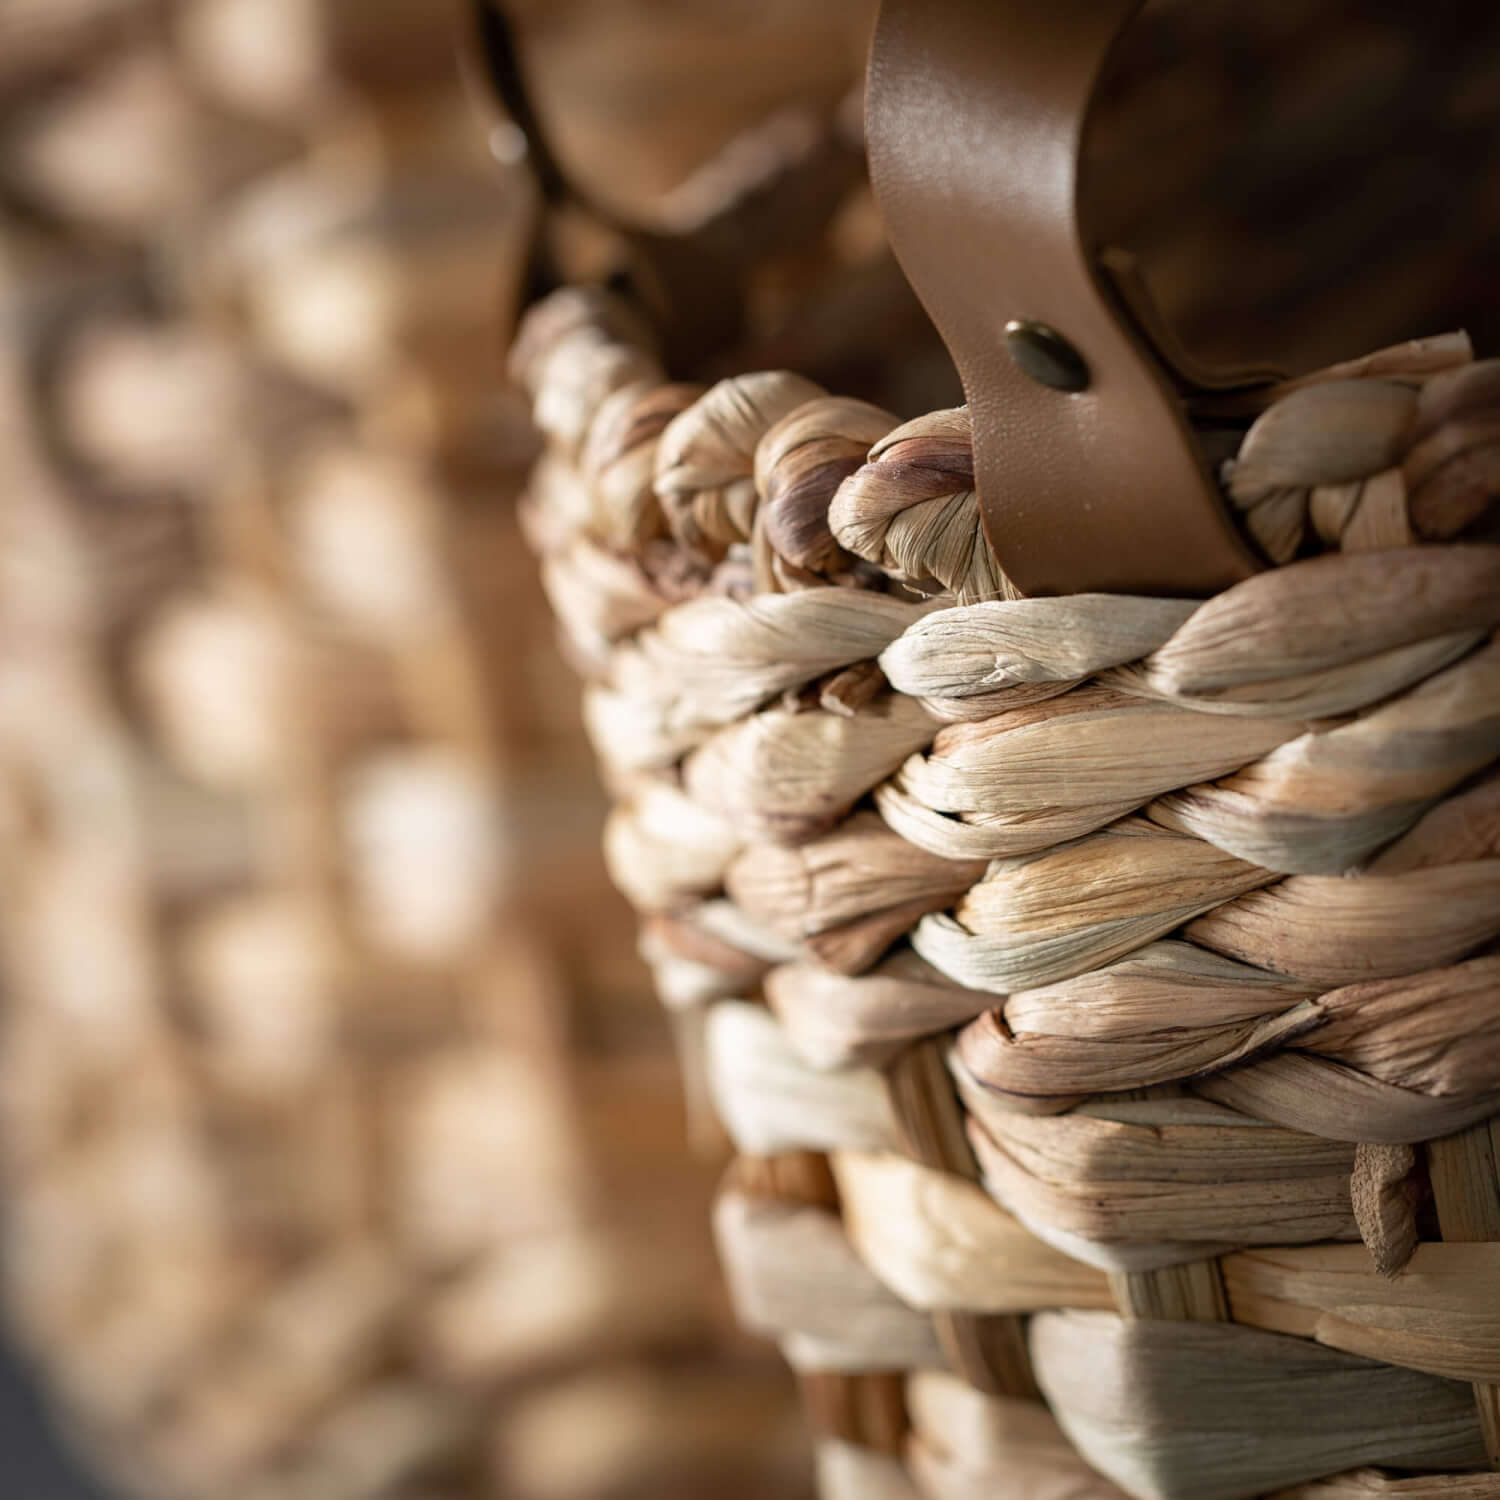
(341, 1141)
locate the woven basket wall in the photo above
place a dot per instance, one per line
(341, 1141)
(1101, 991)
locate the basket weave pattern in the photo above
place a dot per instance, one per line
(1100, 990)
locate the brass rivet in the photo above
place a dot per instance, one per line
(1045, 355)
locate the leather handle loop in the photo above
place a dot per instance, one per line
(975, 121)
(688, 281)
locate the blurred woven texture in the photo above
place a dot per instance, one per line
(341, 1140)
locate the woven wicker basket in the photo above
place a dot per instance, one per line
(1100, 986)
(336, 1164)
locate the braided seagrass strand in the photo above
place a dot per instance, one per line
(1195, 899)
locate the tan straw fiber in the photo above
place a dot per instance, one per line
(1129, 960)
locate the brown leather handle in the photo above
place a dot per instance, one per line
(689, 282)
(975, 119)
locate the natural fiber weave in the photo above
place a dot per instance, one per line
(1130, 959)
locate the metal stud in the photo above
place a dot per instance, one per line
(1045, 355)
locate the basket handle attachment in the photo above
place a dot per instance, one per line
(1087, 472)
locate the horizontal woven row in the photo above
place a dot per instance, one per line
(1129, 958)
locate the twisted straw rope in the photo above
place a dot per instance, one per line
(1205, 888)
